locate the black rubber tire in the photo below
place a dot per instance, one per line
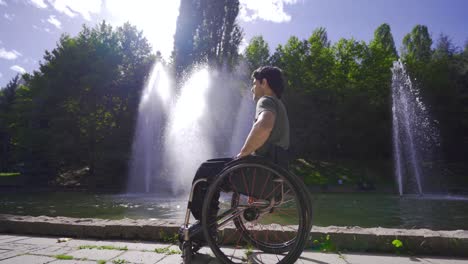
(186, 252)
(297, 244)
(307, 201)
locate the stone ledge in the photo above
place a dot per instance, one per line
(356, 239)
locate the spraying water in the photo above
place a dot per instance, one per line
(187, 141)
(175, 133)
(414, 135)
(152, 110)
(242, 127)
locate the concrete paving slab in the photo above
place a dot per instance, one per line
(27, 248)
(202, 259)
(141, 257)
(63, 261)
(38, 241)
(172, 259)
(53, 250)
(3, 237)
(43, 253)
(435, 260)
(129, 245)
(237, 254)
(313, 257)
(96, 254)
(89, 242)
(7, 246)
(14, 250)
(13, 239)
(366, 259)
(150, 246)
(29, 259)
(78, 242)
(389, 259)
(9, 254)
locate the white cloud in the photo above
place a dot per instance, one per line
(243, 45)
(1, 75)
(38, 3)
(47, 30)
(3, 3)
(9, 16)
(18, 68)
(73, 7)
(9, 55)
(156, 18)
(54, 21)
(28, 61)
(268, 10)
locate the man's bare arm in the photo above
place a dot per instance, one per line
(258, 134)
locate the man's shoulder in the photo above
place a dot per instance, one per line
(268, 97)
(267, 103)
(268, 100)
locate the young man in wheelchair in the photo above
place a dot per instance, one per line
(268, 137)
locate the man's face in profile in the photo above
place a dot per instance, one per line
(256, 89)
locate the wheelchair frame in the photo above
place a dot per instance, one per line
(187, 231)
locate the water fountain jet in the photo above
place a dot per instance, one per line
(414, 135)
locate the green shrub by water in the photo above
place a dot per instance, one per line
(319, 172)
(9, 174)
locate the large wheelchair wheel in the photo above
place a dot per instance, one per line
(263, 215)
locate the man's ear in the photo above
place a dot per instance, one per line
(264, 81)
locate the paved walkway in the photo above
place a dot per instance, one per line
(18, 249)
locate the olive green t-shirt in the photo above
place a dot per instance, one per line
(279, 136)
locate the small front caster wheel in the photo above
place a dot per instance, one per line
(186, 252)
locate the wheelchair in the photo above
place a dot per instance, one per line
(254, 211)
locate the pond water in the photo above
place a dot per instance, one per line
(350, 209)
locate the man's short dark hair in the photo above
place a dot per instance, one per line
(273, 75)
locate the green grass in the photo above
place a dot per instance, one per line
(101, 262)
(119, 261)
(324, 244)
(9, 174)
(103, 247)
(167, 251)
(169, 238)
(66, 257)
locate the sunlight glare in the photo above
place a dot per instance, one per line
(156, 18)
(159, 84)
(192, 102)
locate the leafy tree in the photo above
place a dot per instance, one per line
(383, 39)
(7, 97)
(188, 21)
(417, 45)
(207, 32)
(257, 53)
(444, 48)
(84, 102)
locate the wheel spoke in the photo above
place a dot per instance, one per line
(266, 212)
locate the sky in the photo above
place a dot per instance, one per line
(30, 27)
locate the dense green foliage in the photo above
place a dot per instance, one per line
(76, 114)
(207, 32)
(78, 110)
(257, 53)
(339, 95)
(442, 75)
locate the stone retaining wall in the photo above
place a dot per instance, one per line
(356, 239)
